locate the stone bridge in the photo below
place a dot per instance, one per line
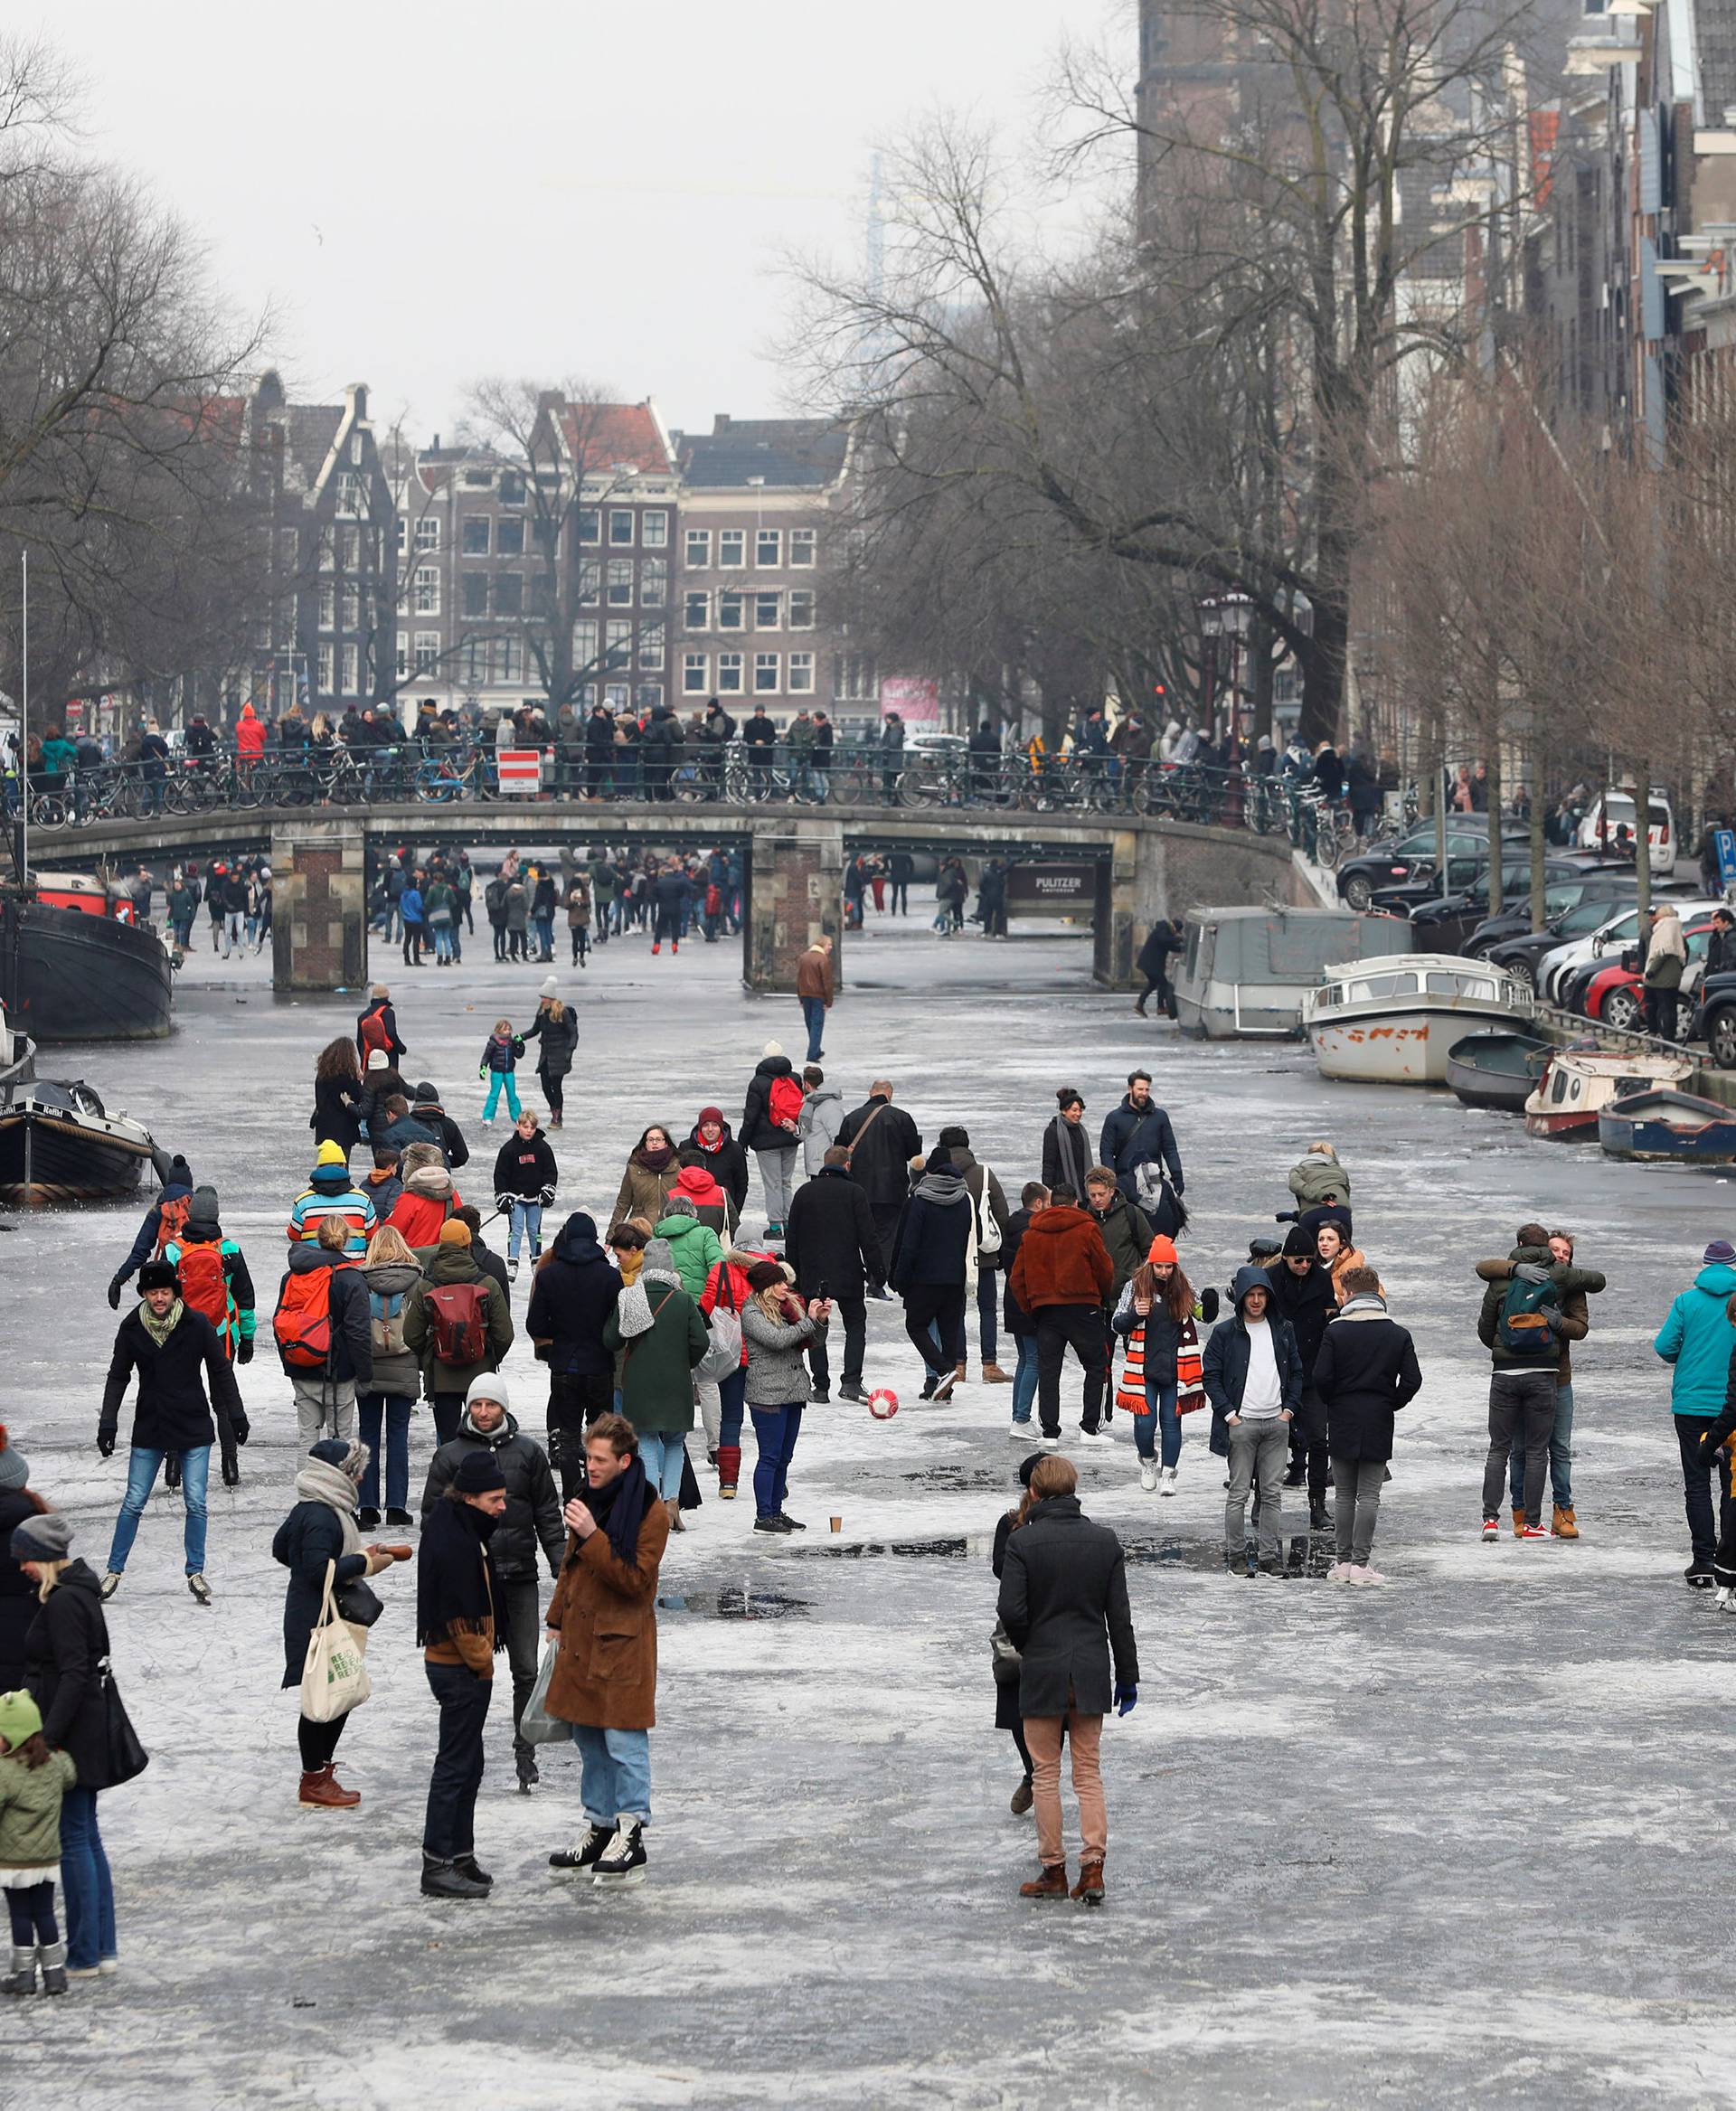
(323, 862)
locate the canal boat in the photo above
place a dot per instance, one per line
(1497, 1070)
(1244, 972)
(1668, 1127)
(1392, 1022)
(1583, 1081)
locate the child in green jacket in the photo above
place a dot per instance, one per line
(33, 1780)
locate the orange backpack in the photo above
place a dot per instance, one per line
(171, 1220)
(204, 1287)
(302, 1324)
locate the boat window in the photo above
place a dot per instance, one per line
(1192, 960)
(1560, 1092)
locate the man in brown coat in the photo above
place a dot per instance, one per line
(605, 1677)
(1062, 1276)
(813, 988)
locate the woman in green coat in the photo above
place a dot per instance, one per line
(658, 1325)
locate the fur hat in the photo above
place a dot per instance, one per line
(763, 1274)
(158, 1275)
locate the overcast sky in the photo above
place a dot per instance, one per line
(429, 192)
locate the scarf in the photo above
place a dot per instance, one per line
(456, 1585)
(1367, 1306)
(619, 1508)
(159, 1330)
(321, 1482)
(1074, 1152)
(633, 1313)
(942, 1187)
(653, 1161)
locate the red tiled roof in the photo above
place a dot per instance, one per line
(603, 436)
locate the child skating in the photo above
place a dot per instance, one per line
(500, 1055)
(32, 1781)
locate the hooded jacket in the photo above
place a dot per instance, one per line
(697, 1249)
(457, 1264)
(822, 1118)
(1698, 1340)
(1488, 1318)
(1225, 1372)
(656, 1375)
(573, 1294)
(426, 1110)
(933, 1244)
(1061, 1259)
(643, 1193)
(330, 1192)
(710, 1202)
(396, 1375)
(759, 1131)
(727, 1164)
(1307, 1303)
(352, 1357)
(531, 1517)
(428, 1198)
(64, 1651)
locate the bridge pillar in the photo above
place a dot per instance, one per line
(1116, 903)
(794, 895)
(319, 924)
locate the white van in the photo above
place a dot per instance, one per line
(1597, 832)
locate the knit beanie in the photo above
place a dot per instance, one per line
(763, 1274)
(202, 1221)
(454, 1233)
(1720, 1253)
(488, 1385)
(19, 1718)
(660, 1254)
(479, 1472)
(15, 1467)
(330, 1153)
(549, 987)
(378, 991)
(1296, 1243)
(1163, 1248)
(46, 1538)
(713, 1114)
(180, 1173)
(378, 1060)
(940, 1161)
(772, 1048)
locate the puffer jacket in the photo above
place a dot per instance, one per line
(532, 1514)
(428, 1198)
(1315, 1177)
(399, 1375)
(1697, 1338)
(696, 1248)
(759, 1131)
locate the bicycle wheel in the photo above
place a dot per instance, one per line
(48, 810)
(918, 786)
(687, 785)
(850, 785)
(735, 781)
(1327, 848)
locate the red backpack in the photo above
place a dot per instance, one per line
(171, 1220)
(372, 1033)
(459, 1333)
(302, 1324)
(204, 1287)
(784, 1101)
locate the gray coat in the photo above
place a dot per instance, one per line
(1064, 1606)
(777, 1376)
(822, 1118)
(401, 1375)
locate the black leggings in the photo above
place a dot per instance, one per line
(552, 1090)
(32, 1908)
(319, 1741)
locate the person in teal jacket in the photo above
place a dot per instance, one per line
(1697, 1338)
(696, 1247)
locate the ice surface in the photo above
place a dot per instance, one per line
(1455, 1842)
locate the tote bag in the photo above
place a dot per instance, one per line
(724, 1327)
(334, 1678)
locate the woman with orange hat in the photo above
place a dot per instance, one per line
(1159, 1307)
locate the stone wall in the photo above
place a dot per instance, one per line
(319, 933)
(1167, 870)
(794, 895)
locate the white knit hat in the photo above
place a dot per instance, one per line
(551, 988)
(772, 1048)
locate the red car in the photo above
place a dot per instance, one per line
(1616, 994)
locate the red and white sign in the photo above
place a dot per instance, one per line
(916, 702)
(520, 769)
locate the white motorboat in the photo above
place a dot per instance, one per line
(1582, 1082)
(1392, 1022)
(1244, 972)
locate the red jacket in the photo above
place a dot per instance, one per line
(249, 734)
(420, 1216)
(739, 1291)
(1061, 1260)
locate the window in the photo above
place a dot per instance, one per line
(346, 680)
(615, 695)
(541, 594)
(427, 650)
(590, 582)
(427, 590)
(477, 479)
(695, 667)
(730, 612)
(476, 662)
(355, 448)
(732, 547)
(288, 549)
(697, 611)
(617, 642)
(621, 582)
(473, 588)
(620, 525)
(328, 604)
(401, 532)
(584, 646)
(350, 549)
(512, 487)
(855, 676)
(801, 673)
(653, 529)
(801, 609)
(765, 673)
(729, 673)
(404, 657)
(352, 607)
(476, 534)
(590, 525)
(545, 536)
(801, 545)
(509, 538)
(767, 609)
(699, 548)
(651, 642)
(654, 582)
(508, 660)
(769, 548)
(509, 593)
(428, 531)
(349, 494)
(323, 671)
(650, 695)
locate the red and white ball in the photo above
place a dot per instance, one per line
(883, 1403)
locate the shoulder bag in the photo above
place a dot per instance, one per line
(724, 1326)
(126, 1757)
(1007, 1661)
(334, 1679)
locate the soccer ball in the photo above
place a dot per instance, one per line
(883, 1403)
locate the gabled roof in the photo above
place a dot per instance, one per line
(787, 453)
(601, 437)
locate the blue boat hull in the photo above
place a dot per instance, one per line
(1654, 1140)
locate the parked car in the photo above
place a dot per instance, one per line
(1714, 1019)
(1444, 924)
(1610, 885)
(1564, 975)
(1615, 993)
(1610, 812)
(1521, 955)
(1412, 857)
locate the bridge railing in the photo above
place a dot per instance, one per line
(740, 773)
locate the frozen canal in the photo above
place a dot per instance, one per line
(1455, 1842)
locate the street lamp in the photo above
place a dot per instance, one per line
(1237, 618)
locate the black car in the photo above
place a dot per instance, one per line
(1520, 957)
(1442, 925)
(1611, 885)
(1412, 857)
(1714, 1019)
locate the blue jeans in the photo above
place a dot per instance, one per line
(732, 1398)
(1160, 1402)
(396, 1409)
(775, 1430)
(497, 1079)
(814, 1013)
(988, 1300)
(1025, 1376)
(90, 1889)
(442, 941)
(143, 1466)
(544, 929)
(662, 1456)
(1561, 1455)
(526, 1223)
(615, 1779)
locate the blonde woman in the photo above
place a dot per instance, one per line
(392, 1273)
(775, 1327)
(557, 1030)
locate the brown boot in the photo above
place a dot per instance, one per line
(993, 1375)
(672, 1509)
(1564, 1528)
(321, 1791)
(1089, 1889)
(1051, 1884)
(1518, 1522)
(959, 1374)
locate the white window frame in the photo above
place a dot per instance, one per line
(619, 583)
(590, 583)
(618, 695)
(801, 609)
(698, 550)
(329, 603)
(500, 579)
(591, 517)
(426, 655)
(654, 528)
(800, 674)
(617, 514)
(696, 609)
(349, 662)
(761, 621)
(766, 663)
(585, 637)
(469, 582)
(323, 666)
(654, 582)
(651, 644)
(730, 675)
(731, 604)
(352, 607)
(472, 522)
(695, 673)
(428, 533)
(509, 658)
(618, 643)
(804, 542)
(736, 539)
(769, 549)
(505, 532)
(425, 590)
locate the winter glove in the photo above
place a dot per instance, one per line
(106, 1441)
(241, 1428)
(232, 1470)
(115, 1289)
(1126, 1699)
(503, 1205)
(546, 1195)
(244, 1349)
(1529, 1272)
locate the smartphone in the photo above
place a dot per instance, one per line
(824, 1291)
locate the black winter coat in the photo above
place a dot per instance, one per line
(559, 1039)
(340, 1113)
(759, 1131)
(933, 1241)
(17, 1592)
(1131, 1139)
(309, 1537)
(830, 1238)
(67, 1642)
(1066, 1158)
(532, 1514)
(727, 1166)
(525, 1172)
(1307, 1303)
(173, 1412)
(1006, 1691)
(448, 1134)
(573, 1294)
(1019, 1323)
(881, 1164)
(1064, 1606)
(1365, 1372)
(352, 1356)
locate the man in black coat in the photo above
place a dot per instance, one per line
(835, 1249)
(427, 1108)
(572, 1297)
(880, 1140)
(1063, 1603)
(531, 1519)
(1303, 1296)
(177, 1352)
(931, 1255)
(1137, 1133)
(1366, 1372)
(1164, 939)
